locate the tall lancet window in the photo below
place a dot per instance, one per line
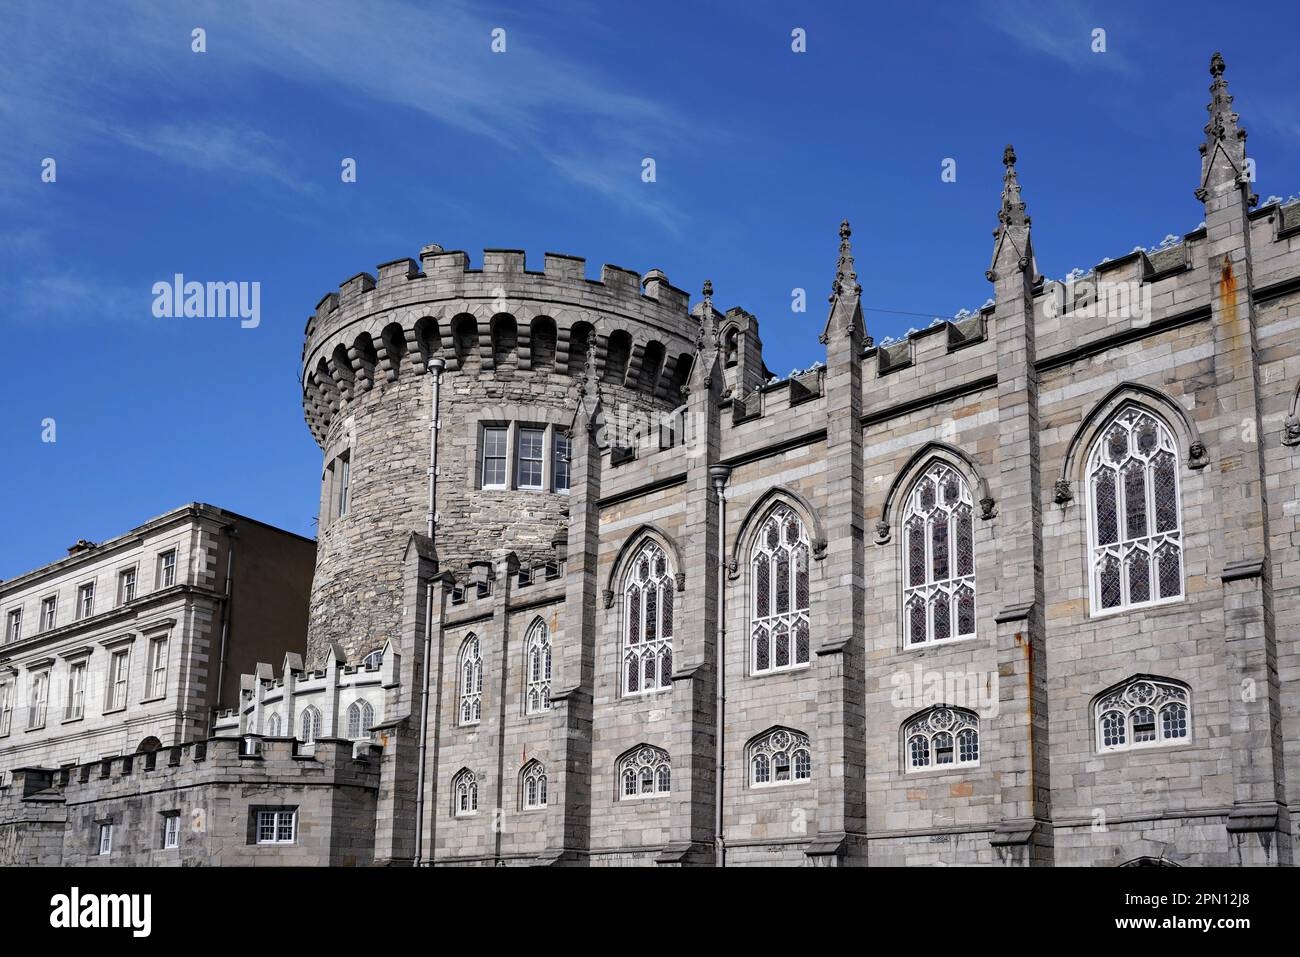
(537, 668)
(648, 622)
(1134, 514)
(471, 682)
(938, 558)
(779, 634)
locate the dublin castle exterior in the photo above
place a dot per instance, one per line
(593, 588)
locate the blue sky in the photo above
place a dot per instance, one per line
(225, 166)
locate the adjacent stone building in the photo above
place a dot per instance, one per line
(1020, 588)
(135, 643)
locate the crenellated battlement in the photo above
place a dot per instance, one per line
(378, 327)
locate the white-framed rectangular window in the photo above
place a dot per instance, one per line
(530, 458)
(105, 839)
(39, 699)
(76, 704)
(171, 830)
(276, 826)
(14, 625)
(125, 586)
(6, 708)
(86, 600)
(495, 453)
(342, 477)
(49, 611)
(156, 686)
(167, 569)
(560, 452)
(117, 679)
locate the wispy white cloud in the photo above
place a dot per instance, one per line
(1057, 30)
(434, 60)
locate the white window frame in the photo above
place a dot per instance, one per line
(39, 699)
(127, 580)
(105, 838)
(464, 793)
(561, 457)
(309, 728)
(537, 668)
(934, 593)
(764, 628)
(156, 679)
(119, 680)
(14, 624)
(75, 708)
(644, 763)
(1131, 696)
(930, 726)
(469, 673)
(503, 458)
(1100, 462)
(539, 459)
(167, 568)
(767, 751)
(6, 707)
(533, 786)
(649, 575)
(361, 715)
(85, 600)
(171, 830)
(273, 822)
(49, 612)
(342, 484)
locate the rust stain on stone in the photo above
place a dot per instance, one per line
(917, 795)
(1228, 292)
(963, 790)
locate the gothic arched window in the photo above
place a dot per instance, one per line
(1141, 713)
(464, 792)
(780, 756)
(471, 682)
(779, 629)
(648, 622)
(644, 772)
(273, 726)
(360, 717)
(309, 727)
(941, 737)
(537, 668)
(1134, 514)
(533, 779)
(939, 558)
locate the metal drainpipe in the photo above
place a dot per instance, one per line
(435, 366)
(720, 474)
(232, 533)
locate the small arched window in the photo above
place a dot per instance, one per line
(533, 779)
(471, 682)
(779, 756)
(1134, 514)
(941, 737)
(644, 772)
(939, 558)
(464, 793)
(779, 635)
(648, 622)
(360, 717)
(372, 661)
(309, 727)
(537, 668)
(273, 726)
(1143, 712)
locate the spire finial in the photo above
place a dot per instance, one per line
(590, 377)
(1223, 154)
(846, 277)
(708, 291)
(1013, 207)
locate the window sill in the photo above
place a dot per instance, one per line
(945, 769)
(940, 645)
(1164, 605)
(116, 710)
(80, 717)
(155, 698)
(777, 672)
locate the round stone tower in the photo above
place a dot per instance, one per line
(513, 344)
